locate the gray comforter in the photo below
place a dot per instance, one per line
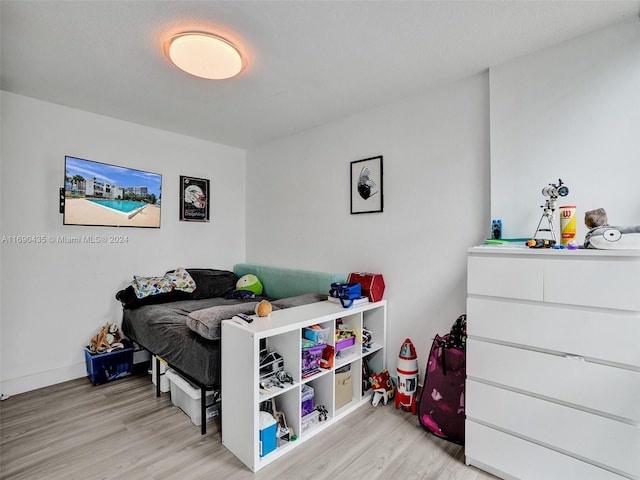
(163, 330)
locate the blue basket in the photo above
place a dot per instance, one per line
(104, 367)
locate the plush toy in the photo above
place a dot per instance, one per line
(613, 238)
(596, 218)
(606, 237)
(382, 386)
(250, 282)
(106, 340)
(264, 308)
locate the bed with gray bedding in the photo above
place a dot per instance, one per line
(163, 330)
(184, 329)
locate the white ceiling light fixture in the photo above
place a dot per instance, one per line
(205, 55)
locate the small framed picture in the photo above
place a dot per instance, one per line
(194, 199)
(366, 185)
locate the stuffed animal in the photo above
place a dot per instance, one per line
(383, 387)
(250, 282)
(613, 238)
(596, 218)
(603, 236)
(106, 340)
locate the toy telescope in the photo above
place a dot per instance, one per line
(552, 191)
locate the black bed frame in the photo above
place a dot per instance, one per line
(203, 389)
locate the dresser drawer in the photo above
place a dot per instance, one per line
(505, 277)
(611, 336)
(610, 390)
(608, 283)
(513, 457)
(605, 442)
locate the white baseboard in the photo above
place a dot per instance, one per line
(34, 381)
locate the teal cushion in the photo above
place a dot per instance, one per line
(287, 282)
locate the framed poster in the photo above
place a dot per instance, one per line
(366, 185)
(194, 199)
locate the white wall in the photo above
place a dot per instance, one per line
(570, 112)
(56, 296)
(436, 204)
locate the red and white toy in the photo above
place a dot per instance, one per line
(382, 387)
(407, 377)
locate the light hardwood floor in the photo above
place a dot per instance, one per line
(120, 430)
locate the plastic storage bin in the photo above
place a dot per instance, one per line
(345, 343)
(318, 335)
(310, 420)
(268, 429)
(186, 396)
(311, 357)
(306, 400)
(104, 367)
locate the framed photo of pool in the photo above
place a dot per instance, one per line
(106, 195)
(194, 199)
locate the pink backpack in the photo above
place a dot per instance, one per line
(441, 408)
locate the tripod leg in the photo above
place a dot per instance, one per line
(551, 230)
(535, 235)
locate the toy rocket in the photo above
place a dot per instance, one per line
(407, 377)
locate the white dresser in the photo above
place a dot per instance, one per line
(553, 363)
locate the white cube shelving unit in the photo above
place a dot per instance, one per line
(282, 331)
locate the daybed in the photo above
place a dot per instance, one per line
(184, 330)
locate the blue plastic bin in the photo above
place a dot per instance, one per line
(268, 430)
(317, 335)
(104, 367)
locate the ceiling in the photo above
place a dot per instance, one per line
(309, 62)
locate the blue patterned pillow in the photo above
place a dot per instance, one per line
(181, 280)
(145, 286)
